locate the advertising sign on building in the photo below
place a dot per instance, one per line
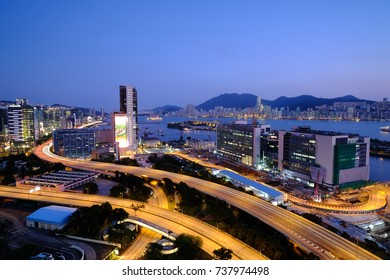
(121, 131)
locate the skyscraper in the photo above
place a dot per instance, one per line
(23, 125)
(128, 105)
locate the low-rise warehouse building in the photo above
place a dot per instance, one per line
(261, 190)
(52, 217)
(58, 181)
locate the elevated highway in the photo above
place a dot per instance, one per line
(310, 236)
(146, 235)
(165, 219)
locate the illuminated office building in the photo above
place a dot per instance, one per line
(23, 126)
(240, 142)
(74, 143)
(323, 157)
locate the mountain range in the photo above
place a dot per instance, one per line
(246, 100)
(165, 109)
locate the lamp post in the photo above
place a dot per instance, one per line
(37, 188)
(87, 191)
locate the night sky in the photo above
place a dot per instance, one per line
(188, 51)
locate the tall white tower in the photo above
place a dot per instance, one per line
(258, 103)
(129, 106)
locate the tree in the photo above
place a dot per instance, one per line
(223, 254)
(119, 214)
(90, 188)
(120, 234)
(168, 187)
(88, 221)
(189, 246)
(137, 207)
(117, 190)
(153, 252)
(106, 211)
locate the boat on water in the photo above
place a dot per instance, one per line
(154, 118)
(160, 132)
(385, 128)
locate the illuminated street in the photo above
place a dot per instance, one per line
(308, 235)
(174, 221)
(146, 236)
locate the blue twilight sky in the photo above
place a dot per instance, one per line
(182, 52)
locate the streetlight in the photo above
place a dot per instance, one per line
(87, 190)
(121, 193)
(37, 188)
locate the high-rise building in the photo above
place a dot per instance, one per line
(259, 106)
(323, 157)
(15, 118)
(74, 143)
(190, 111)
(240, 142)
(22, 125)
(52, 119)
(128, 104)
(3, 123)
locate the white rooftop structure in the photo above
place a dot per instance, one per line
(52, 217)
(266, 192)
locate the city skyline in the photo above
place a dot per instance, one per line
(182, 53)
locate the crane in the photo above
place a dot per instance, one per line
(316, 192)
(254, 117)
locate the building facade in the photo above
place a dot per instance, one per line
(51, 217)
(57, 181)
(129, 106)
(23, 126)
(74, 143)
(240, 142)
(269, 145)
(323, 157)
(3, 124)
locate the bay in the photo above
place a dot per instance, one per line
(379, 166)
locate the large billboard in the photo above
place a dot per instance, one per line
(121, 131)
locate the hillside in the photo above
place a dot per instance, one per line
(245, 100)
(229, 100)
(165, 109)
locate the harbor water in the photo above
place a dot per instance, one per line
(379, 166)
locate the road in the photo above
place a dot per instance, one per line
(377, 199)
(18, 235)
(137, 249)
(308, 235)
(174, 221)
(146, 236)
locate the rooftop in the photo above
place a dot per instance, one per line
(59, 178)
(261, 187)
(307, 129)
(52, 214)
